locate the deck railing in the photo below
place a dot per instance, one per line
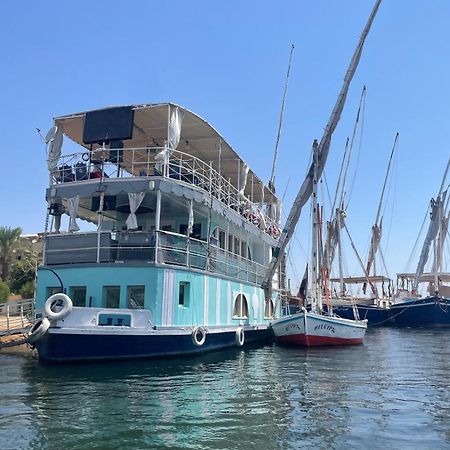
(16, 316)
(162, 247)
(166, 163)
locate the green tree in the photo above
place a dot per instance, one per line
(4, 291)
(21, 273)
(27, 289)
(9, 241)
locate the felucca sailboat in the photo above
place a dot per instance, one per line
(314, 327)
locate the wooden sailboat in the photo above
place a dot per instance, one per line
(314, 327)
(433, 309)
(373, 304)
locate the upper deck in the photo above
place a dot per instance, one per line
(166, 141)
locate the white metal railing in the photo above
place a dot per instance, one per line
(16, 316)
(104, 163)
(162, 247)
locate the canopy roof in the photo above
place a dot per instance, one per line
(426, 277)
(198, 138)
(362, 279)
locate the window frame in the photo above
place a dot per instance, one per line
(72, 295)
(105, 289)
(243, 301)
(135, 286)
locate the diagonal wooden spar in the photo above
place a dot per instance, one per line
(305, 190)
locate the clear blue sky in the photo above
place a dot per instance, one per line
(227, 61)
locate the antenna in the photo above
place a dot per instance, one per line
(280, 125)
(38, 131)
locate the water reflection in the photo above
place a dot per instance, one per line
(219, 401)
(392, 392)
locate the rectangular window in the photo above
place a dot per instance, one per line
(222, 240)
(78, 295)
(111, 296)
(230, 243)
(183, 293)
(244, 249)
(135, 297)
(53, 290)
(237, 246)
(114, 320)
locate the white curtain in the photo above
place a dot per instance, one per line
(54, 140)
(191, 218)
(162, 160)
(135, 200)
(243, 177)
(72, 204)
(176, 119)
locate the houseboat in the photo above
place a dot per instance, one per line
(158, 237)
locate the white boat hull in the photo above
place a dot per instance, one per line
(308, 329)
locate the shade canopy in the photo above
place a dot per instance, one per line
(198, 138)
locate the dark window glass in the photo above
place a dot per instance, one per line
(111, 296)
(135, 297)
(78, 295)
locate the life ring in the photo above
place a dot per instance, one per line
(198, 336)
(240, 337)
(53, 301)
(38, 330)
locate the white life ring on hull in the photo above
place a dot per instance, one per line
(240, 337)
(52, 301)
(38, 330)
(198, 336)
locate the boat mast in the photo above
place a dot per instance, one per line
(305, 190)
(280, 125)
(433, 229)
(316, 304)
(377, 227)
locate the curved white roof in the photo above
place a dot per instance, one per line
(198, 138)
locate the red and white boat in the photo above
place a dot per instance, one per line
(308, 329)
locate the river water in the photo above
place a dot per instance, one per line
(393, 392)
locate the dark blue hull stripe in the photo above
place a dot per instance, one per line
(428, 312)
(61, 347)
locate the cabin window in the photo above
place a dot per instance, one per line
(222, 242)
(240, 307)
(183, 293)
(230, 243)
(269, 309)
(78, 295)
(53, 290)
(244, 249)
(135, 297)
(111, 296)
(114, 320)
(219, 238)
(237, 246)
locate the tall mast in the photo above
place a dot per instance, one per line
(433, 229)
(376, 228)
(315, 291)
(305, 190)
(280, 125)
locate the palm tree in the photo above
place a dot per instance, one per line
(9, 241)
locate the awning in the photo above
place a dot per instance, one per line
(198, 138)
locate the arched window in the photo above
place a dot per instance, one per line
(240, 307)
(269, 309)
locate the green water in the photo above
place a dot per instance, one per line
(391, 393)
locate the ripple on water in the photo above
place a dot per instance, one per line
(392, 392)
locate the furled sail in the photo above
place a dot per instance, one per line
(306, 188)
(436, 215)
